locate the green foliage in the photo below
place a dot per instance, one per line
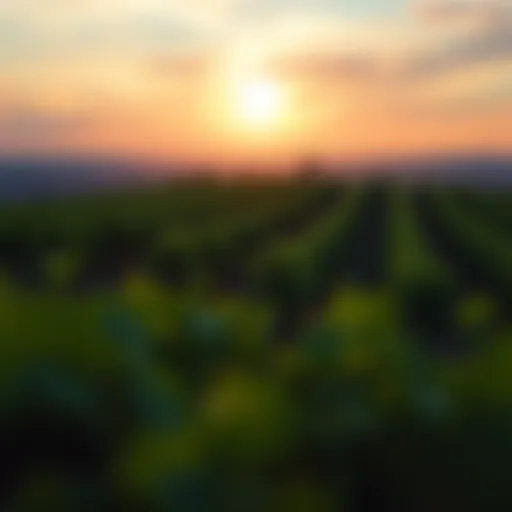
(487, 246)
(422, 280)
(296, 269)
(141, 367)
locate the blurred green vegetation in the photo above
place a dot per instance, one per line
(202, 348)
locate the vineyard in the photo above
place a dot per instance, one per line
(301, 346)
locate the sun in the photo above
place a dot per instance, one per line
(259, 103)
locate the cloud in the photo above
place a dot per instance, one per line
(58, 13)
(488, 40)
(345, 68)
(449, 11)
(484, 48)
(35, 30)
(29, 125)
(181, 64)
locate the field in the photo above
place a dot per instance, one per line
(295, 346)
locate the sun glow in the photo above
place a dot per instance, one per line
(259, 103)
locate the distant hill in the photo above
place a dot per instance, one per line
(475, 170)
(482, 171)
(25, 178)
(30, 178)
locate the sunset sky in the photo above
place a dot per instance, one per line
(247, 80)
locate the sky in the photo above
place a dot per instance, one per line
(231, 81)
